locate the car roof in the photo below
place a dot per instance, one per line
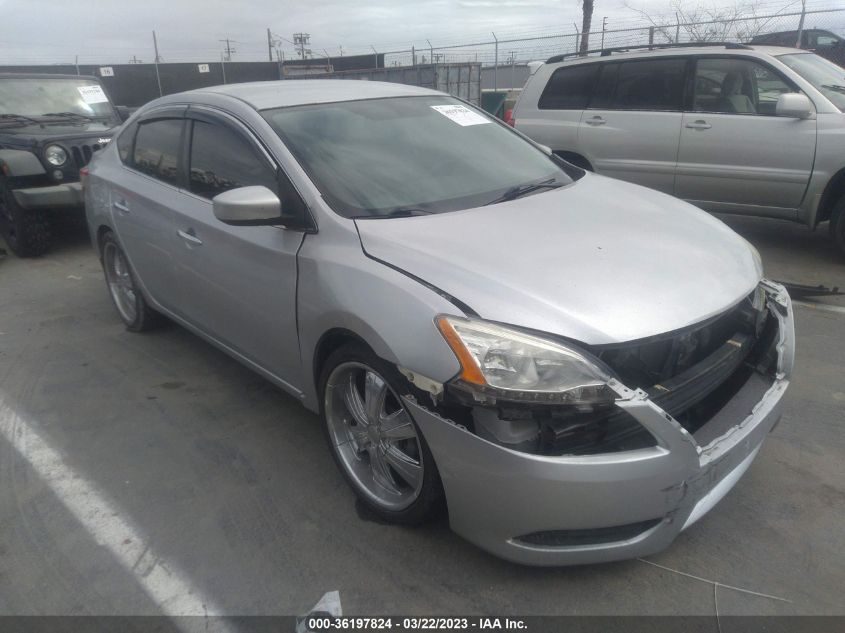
(290, 92)
(679, 51)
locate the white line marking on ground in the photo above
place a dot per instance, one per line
(166, 585)
(822, 307)
(715, 582)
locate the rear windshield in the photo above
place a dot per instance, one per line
(36, 96)
(826, 77)
(382, 157)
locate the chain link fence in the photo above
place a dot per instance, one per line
(504, 58)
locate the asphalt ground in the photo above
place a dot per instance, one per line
(151, 474)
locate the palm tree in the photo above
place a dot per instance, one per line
(585, 25)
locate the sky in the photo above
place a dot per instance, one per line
(113, 31)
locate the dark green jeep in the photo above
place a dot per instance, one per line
(50, 126)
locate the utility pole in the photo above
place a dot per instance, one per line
(496, 64)
(269, 45)
(301, 40)
(375, 56)
(157, 59)
(228, 50)
(135, 60)
(603, 29)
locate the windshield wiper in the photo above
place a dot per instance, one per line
(835, 87)
(18, 117)
(70, 115)
(399, 212)
(520, 190)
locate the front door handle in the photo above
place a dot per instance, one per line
(596, 120)
(699, 125)
(121, 206)
(190, 236)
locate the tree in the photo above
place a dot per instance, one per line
(698, 23)
(587, 12)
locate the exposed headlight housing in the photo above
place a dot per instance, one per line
(55, 155)
(504, 363)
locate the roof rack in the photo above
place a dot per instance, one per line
(604, 52)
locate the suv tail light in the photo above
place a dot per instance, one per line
(508, 118)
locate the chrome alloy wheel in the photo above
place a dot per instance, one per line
(120, 282)
(375, 440)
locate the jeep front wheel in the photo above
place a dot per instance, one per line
(26, 232)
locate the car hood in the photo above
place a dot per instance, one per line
(599, 261)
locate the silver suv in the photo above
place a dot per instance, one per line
(756, 130)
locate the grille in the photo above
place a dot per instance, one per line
(82, 153)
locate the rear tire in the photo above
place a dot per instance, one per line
(837, 224)
(26, 232)
(375, 442)
(125, 293)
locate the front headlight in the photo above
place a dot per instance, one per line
(55, 155)
(501, 362)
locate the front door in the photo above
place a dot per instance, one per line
(736, 154)
(238, 283)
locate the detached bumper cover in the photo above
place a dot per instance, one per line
(596, 508)
(64, 195)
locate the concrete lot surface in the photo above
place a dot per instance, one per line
(147, 474)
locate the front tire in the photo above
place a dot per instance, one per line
(837, 224)
(133, 309)
(26, 232)
(373, 439)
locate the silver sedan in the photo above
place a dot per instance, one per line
(574, 367)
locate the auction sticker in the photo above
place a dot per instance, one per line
(92, 94)
(461, 115)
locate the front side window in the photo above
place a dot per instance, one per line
(569, 88)
(737, 86)
(826, 77)
(654, 84)
(411, 155)
(222, 160)
(157, 146)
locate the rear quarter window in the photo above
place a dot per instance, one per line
(157, 149)
(124, 142)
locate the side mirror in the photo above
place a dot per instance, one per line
(248, 206)
(795, 105)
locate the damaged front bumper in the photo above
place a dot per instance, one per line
(547, 510)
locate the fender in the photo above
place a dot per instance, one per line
(17, 162)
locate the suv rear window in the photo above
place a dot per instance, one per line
(569, 88)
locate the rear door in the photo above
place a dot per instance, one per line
(554, 122)
(238, 283)
(631, 127)
(142, 197)
(736, 154)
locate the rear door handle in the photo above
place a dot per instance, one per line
(190, 236)
(699, 125)
(596, 120)
(121, 206)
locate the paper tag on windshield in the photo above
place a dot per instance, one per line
(92, 94)
(461, 115)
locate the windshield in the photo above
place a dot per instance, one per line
(826, 77)
(36, 96)
(412, 155)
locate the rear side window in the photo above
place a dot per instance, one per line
(124, 142)
(569, 88)
(222, 160)
(654, 84)
(157, 149)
